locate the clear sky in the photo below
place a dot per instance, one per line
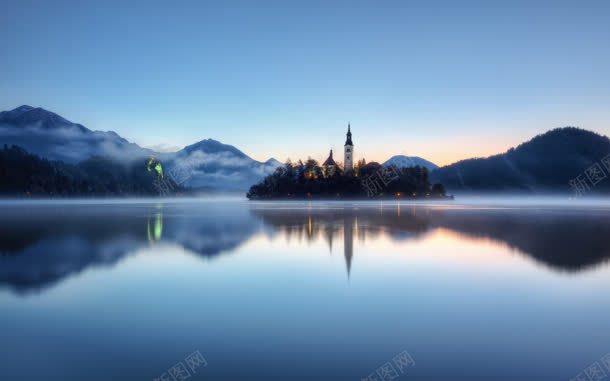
(441, 80)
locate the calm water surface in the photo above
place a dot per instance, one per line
(302, 291)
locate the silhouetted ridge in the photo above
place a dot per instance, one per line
(33, 116)
(545, 163)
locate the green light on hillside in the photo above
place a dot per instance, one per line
(155, 164)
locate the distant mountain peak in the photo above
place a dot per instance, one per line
(26, 115)
(206, 164)
(561, 134)
(214, 146)
(23, 108)
(402, 161)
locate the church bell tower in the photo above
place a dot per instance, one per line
(349, 151)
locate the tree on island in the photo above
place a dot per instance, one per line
(309, 179)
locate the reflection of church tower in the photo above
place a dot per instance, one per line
(328, 233)
(348, 241)
(349, 151)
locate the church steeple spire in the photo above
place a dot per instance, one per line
(348, 141)
(348, 150)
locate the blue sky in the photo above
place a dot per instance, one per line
(441, 80)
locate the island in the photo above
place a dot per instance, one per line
(330, 181)
(333, 180)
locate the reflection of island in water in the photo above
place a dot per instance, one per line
(568, 240)
(341, 224)
(44, 245)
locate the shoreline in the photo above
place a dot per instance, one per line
(379, 198)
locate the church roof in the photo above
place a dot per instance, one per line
(330, 160)
(348, 141)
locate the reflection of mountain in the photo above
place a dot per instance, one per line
(214, 231)
(39, 251)
(562, 240)
(44, 247)
(569, 240)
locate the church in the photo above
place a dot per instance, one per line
(329, 167)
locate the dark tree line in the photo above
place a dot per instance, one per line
(25, 174)
(309, 179)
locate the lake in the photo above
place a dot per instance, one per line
(226, 289)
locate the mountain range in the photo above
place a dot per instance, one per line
(546, 163)
(207, 164)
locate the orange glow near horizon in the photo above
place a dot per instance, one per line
(443, 152)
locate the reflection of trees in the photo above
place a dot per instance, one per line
(42, 247)
(329, 224)
(565, 240)
(341, 224)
